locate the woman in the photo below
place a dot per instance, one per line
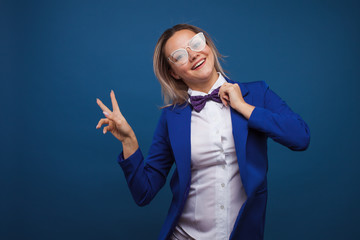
(215, 130)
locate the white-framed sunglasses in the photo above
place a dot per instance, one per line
(180, 56)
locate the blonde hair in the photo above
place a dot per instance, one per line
(174, 90)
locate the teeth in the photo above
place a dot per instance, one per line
(199, 63)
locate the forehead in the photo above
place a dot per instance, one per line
(178, 40)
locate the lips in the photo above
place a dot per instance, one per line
(198, 64)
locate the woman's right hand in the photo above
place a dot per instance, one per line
(118, 126)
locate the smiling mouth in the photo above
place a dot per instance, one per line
(198, 64)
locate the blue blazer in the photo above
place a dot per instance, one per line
(171, 144)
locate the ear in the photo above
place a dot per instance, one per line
(174, 75)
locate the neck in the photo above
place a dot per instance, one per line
(206, 86)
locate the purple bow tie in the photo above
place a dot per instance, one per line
(198, 102)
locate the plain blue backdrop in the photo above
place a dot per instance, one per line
(58, 174)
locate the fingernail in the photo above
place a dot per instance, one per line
(105, 113)
(104, 131)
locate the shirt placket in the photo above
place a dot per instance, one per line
(221, 176)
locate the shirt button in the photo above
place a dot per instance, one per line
(222, 206)
(217, 131)
(223, 184)
(223, 166)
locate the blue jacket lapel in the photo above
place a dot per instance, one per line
(179, 121)
(240, 133)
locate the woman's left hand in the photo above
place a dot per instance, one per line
(230, 94)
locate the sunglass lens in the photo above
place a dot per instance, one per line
(198, 43)
(179, 56)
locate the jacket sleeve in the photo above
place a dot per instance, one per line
(279, 122)
(146, 177)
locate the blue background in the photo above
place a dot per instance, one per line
(58, 174)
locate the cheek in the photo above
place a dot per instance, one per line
(209, 52)
(210, 56)
(180, 70)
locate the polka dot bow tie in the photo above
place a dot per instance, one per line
(198, 102)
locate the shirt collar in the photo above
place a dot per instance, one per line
(220, 81)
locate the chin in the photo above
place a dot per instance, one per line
(207, 70)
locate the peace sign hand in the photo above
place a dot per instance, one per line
(116, 123)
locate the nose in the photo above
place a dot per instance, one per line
(192, 54)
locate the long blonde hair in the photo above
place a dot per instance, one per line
(175, 91)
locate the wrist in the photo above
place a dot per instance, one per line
(129, 140)
(130, 145)
(245, 109)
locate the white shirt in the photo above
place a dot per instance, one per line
(216, 191)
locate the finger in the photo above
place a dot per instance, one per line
(106, 129)
(220, 93)
(224, 102)
(115, 105)
(113, 116)
(102, 106)
(226, 85)
(102, 122)
(224, 99)
(222, 90)
(226, 90)
(225, 95)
